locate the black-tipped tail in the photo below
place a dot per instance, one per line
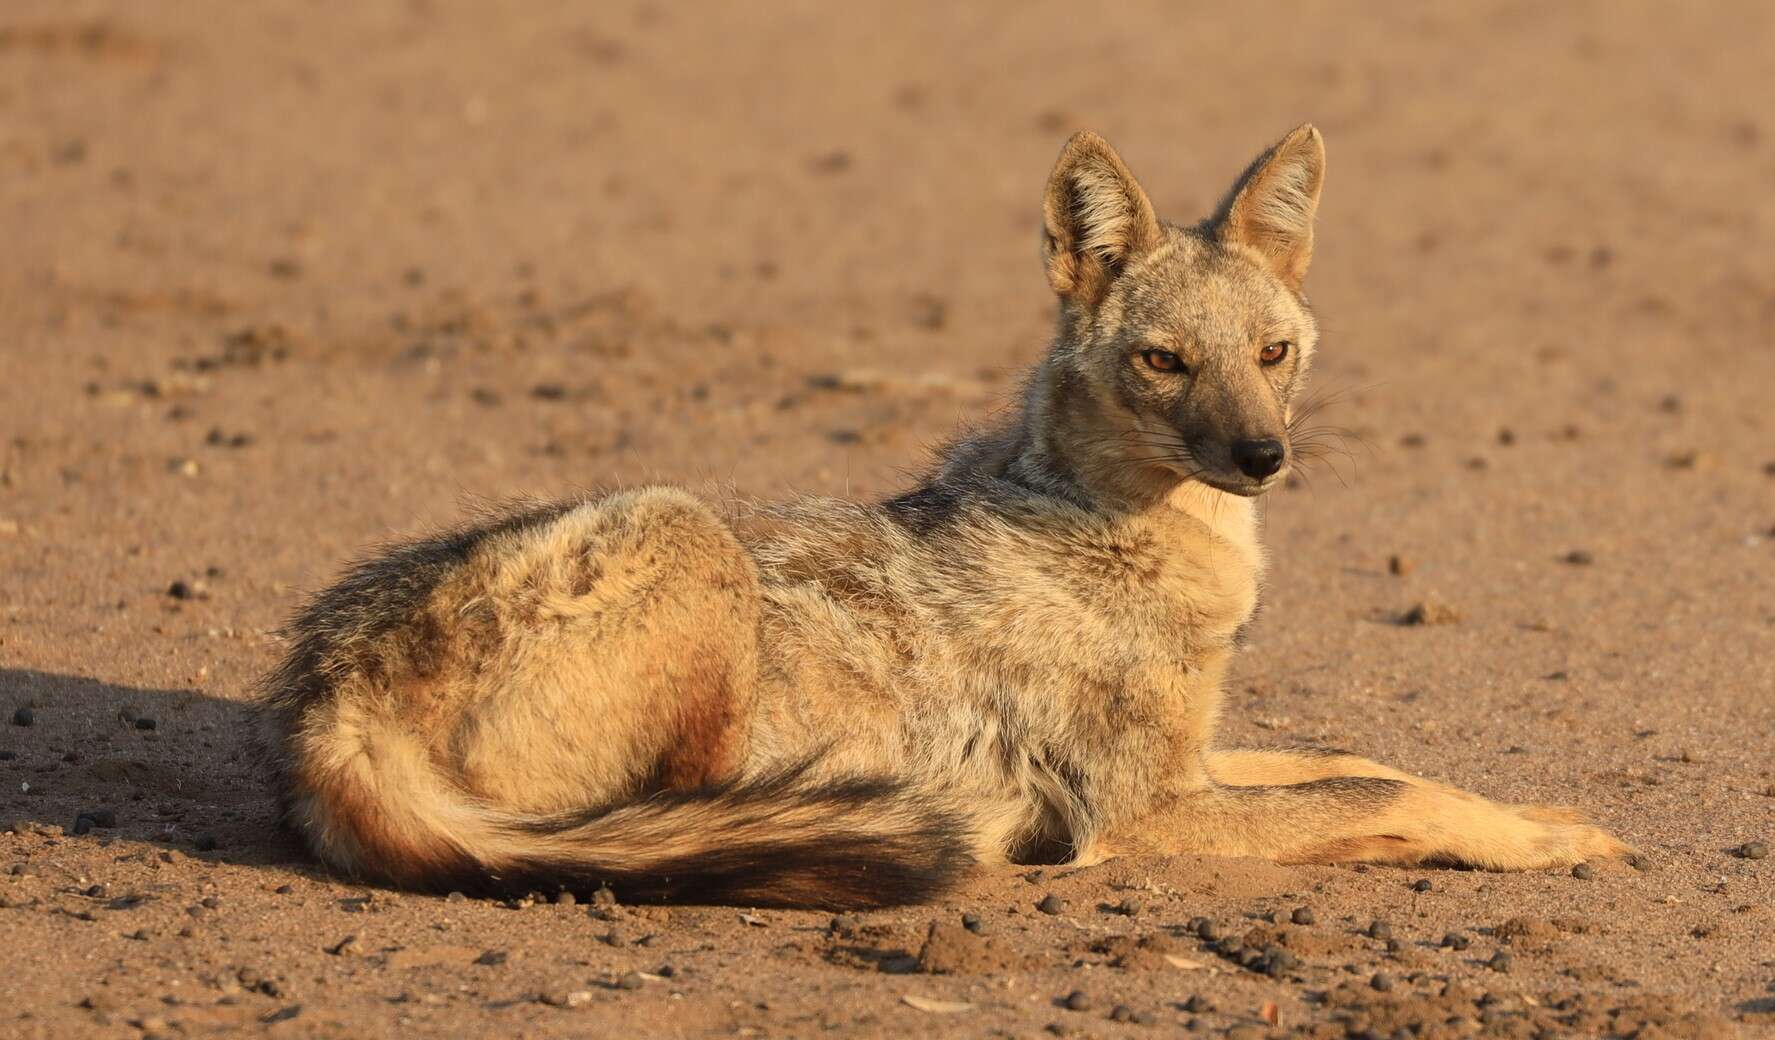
(781, 840)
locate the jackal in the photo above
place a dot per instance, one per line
(841, 704)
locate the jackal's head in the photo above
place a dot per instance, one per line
(1181, 348)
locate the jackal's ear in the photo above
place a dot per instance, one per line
(1095, 218)
(1271, 208)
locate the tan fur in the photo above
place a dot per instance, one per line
(831, 702)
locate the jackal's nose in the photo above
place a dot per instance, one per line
(1258, 459)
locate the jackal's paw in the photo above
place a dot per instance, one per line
(1569, 836)
(1572, 843)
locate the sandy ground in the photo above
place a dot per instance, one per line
(277, 285)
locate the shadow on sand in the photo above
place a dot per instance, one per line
(166, 766)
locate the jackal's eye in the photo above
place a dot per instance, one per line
(1274, 353)
(1163, 361)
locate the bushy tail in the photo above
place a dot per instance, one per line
(789, 839)
(780, 841)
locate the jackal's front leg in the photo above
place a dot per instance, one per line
(1345, 814)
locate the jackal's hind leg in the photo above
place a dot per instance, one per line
(626, 656)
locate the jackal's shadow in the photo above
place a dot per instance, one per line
(171, 767)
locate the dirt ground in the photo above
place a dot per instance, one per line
(277, 284)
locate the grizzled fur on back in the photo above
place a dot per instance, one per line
(830, 703)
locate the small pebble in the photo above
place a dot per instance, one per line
(1381, 981)
(1578, 558)
(1121, 1013)
(971, 921)
(1051, 904)
(1078, 1000)
(1400, 566)
(1422, 885)
(1583, 872)
(24, 717)
(492, 958)
(1302, 915)
(1500, 961)
(565, 898)
(631, 980)
(1752, 850)
(1208, 931)
(350, 946)
(1197, 1005)
(844, 926)
(146, 724)
(1275, 961)
(1429, 612)
(1380, 930)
